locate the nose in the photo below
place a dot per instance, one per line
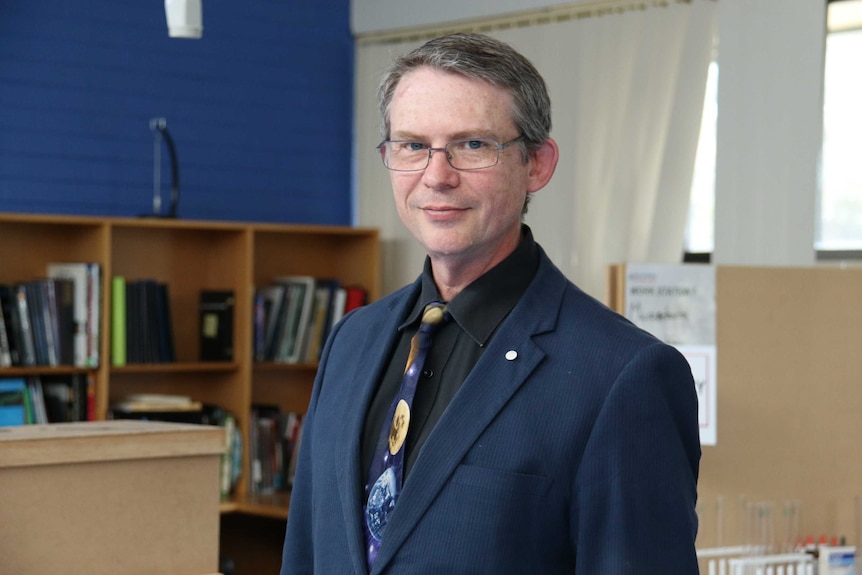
(439, 172)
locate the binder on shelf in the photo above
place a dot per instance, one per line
(141, 321)
(216, 325)
(13, 401)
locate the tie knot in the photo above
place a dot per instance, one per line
(434, 313)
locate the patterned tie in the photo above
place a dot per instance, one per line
(385, 476)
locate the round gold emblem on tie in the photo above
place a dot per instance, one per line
(433, 314)
(400, 423)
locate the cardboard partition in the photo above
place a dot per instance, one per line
(118, 497)
(788, 458)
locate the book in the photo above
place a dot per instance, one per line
(8, 305)
(320, 318)
(356, 297)
(258, 326)
(264, 449)
(300, 301)
(339, 301)
(66, 329)
(274, 438)
(28, 344)
(273, 298)
(5, 349)
(13, 401)
(68, 397)
(230, 466)
(94, 314)
(46, 302)
(216, 310)
(37, 401)
(291, 435)
(165, 329)
(31, 300)
(156, 402)
(118, 321)
(133, 322)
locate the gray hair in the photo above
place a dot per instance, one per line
(483, 58)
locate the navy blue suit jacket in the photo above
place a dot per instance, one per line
(580, 454)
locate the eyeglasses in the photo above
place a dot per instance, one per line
(467, 154)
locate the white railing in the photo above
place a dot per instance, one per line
(747, 560)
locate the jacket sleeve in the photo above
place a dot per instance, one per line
(636, 488)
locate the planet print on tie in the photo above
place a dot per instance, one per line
(381, 502)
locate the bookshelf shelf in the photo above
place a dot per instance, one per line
(43, 370)
(264, 366)
(274, 506)
(177, 367)
(190, 257)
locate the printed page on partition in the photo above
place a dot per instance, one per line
(676, 303)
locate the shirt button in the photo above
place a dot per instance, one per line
(427, 373)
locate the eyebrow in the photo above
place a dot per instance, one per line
(464, 135)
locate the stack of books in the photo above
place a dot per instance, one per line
(293, 316)
(52, 320)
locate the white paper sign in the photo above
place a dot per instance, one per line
(676, 303)
(702, 358)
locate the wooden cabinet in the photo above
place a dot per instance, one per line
(190, 256)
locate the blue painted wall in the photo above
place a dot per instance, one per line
(260, 109)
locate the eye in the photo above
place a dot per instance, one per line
(413, 146)
(475, 144)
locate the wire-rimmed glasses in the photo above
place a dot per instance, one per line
(466, 154)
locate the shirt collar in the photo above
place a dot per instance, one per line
(482, 305)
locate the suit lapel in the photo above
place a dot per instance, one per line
(494, 380)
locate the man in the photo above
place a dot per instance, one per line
(546, 434)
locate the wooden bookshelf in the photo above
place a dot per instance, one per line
(190, 256)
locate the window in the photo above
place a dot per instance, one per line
(700, 227)
(840, 201)
(839, 224)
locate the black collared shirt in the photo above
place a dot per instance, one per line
(476, 313)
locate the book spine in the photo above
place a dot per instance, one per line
(94, 318)
(5, 349)
(28, 347)
(118, 321)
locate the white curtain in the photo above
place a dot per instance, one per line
(627, 88)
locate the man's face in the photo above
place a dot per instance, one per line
(467, 218)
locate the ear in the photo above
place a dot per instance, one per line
(543, 162)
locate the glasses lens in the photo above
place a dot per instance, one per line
(472, 154)
(405, 156)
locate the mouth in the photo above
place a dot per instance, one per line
(442, 212)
